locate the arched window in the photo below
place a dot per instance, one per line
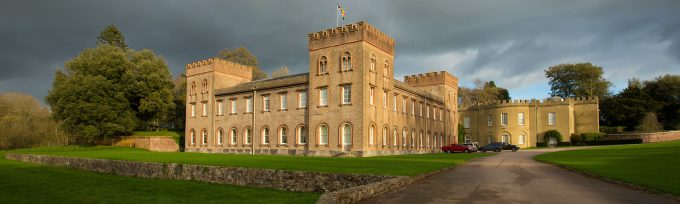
(347, 134)
(265, 135)
(346, 61)
(233, 135)
(323, 134)
(204, 139)
(323, 65)
(204, 89)
(413, 138)
(372, 68)
(193, 137)
(434, 140)
(193, 88)
(467, 139)
(302, 135)
(283, 135)
(441, 140)
(394, 137)
(384, 138)
(248, 136)
(371, 135)
(522, 138)
(386, 69)
(219, 136)
(420, 139)
(403, 137)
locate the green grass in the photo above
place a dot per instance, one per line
(401, 165)
(655, 165)
(30, 183)
(174, 134)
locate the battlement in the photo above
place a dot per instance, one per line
(220, 66)
(356, 32)
(431, 78)
(533, 102)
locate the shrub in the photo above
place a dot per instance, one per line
(575, 138)
(611, 129)
(591, 136)
(541, 144)
(552, 133)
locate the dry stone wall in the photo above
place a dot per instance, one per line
(646, 137)
(152, 143)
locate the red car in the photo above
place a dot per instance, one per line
(456, 148)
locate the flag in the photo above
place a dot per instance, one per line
(341, 11)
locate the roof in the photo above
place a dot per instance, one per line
(417, 91)
(289, 80)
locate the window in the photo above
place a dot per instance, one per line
(371, 135)
(283, 135)
(394, 137)
(248, 136)
(372, 68)
(386, 69)
(265, 103)
(427, 114)
(421, 109)
(323, 65)
(347, 134)
(520, 118)
(323, 96)
(233, 135)
(371, 96)
(205, 108)
(220, 108)
(233, 106)
(466, 122)
(384, 99)
(323, 134)
(193, 110)
(403, 137)
(249, 105)
(489, 120)
(420, 139)
(265, 135)
(384, 138)
(434, 113)
(413, 138)
(505, 138)
(204, 138)
(346, 62)
(284, 101)
(413, 107)
(346, 94)
(441, 115)
(467, 139)
(193, 137)
(521, 139)
(219, 136)
(504, 119)
(403, 105)
(394, 103)
(302, 99)
(551, 118)
(489, 139)
(302, 135)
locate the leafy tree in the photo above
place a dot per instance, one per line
(149, 88)
(482, 92)
(179, 94)
(25, 123)
(666, 91)
(627, 107)
(649, 123)
(282, 71)
(577, 80)
(111, 36)
(241, 55)
(461, 134)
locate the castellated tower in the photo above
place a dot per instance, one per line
(444, 85)
(203, 78)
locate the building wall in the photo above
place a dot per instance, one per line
(573, 115)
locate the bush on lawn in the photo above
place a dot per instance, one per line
(612, 129)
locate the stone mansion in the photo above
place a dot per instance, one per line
(348, 104)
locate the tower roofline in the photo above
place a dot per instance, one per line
(355, 32)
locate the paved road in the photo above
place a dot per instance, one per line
(514, 177)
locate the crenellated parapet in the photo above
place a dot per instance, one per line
(220, 66)
(431, 78)
(531, 102)
(360, 31)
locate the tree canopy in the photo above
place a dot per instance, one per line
(482, 92)
(25, 123)
(281, 71)
(241, 55)
(577, 80)
(111, 36)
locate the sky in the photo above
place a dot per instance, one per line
(509, 42)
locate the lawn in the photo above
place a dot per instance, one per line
(31, 183)
(655, 165)
(401, 165)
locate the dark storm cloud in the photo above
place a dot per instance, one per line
(511, 42)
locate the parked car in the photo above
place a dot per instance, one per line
(473, 146)
(499, 146)
(455, 148)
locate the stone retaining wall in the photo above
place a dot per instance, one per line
(268, 178)
(646, 137)
(152, 143)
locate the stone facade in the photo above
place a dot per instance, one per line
(348, 104)
(483, 123)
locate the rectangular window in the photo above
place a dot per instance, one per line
(323, 96)
(346, 94)
(552, 120)
(249, 105)
(466, 122)
(441, 114)
(302, 99)
(265, 103)
(372, 96)
(220, 108)
(193, 110)
(427, 114)
(233, 106)
(403, 105)
(521, 139)
(489, 120)
(384, 99)
(413, 107)
(394, 103)
(205, 109)
(434, 113)
(504, 119)
(421, 109)
(284, 101)
(520, 118)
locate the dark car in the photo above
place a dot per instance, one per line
(455, 148)
(499, 146)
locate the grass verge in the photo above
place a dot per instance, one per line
(31, 183)
(400, 165)
(654, 165)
